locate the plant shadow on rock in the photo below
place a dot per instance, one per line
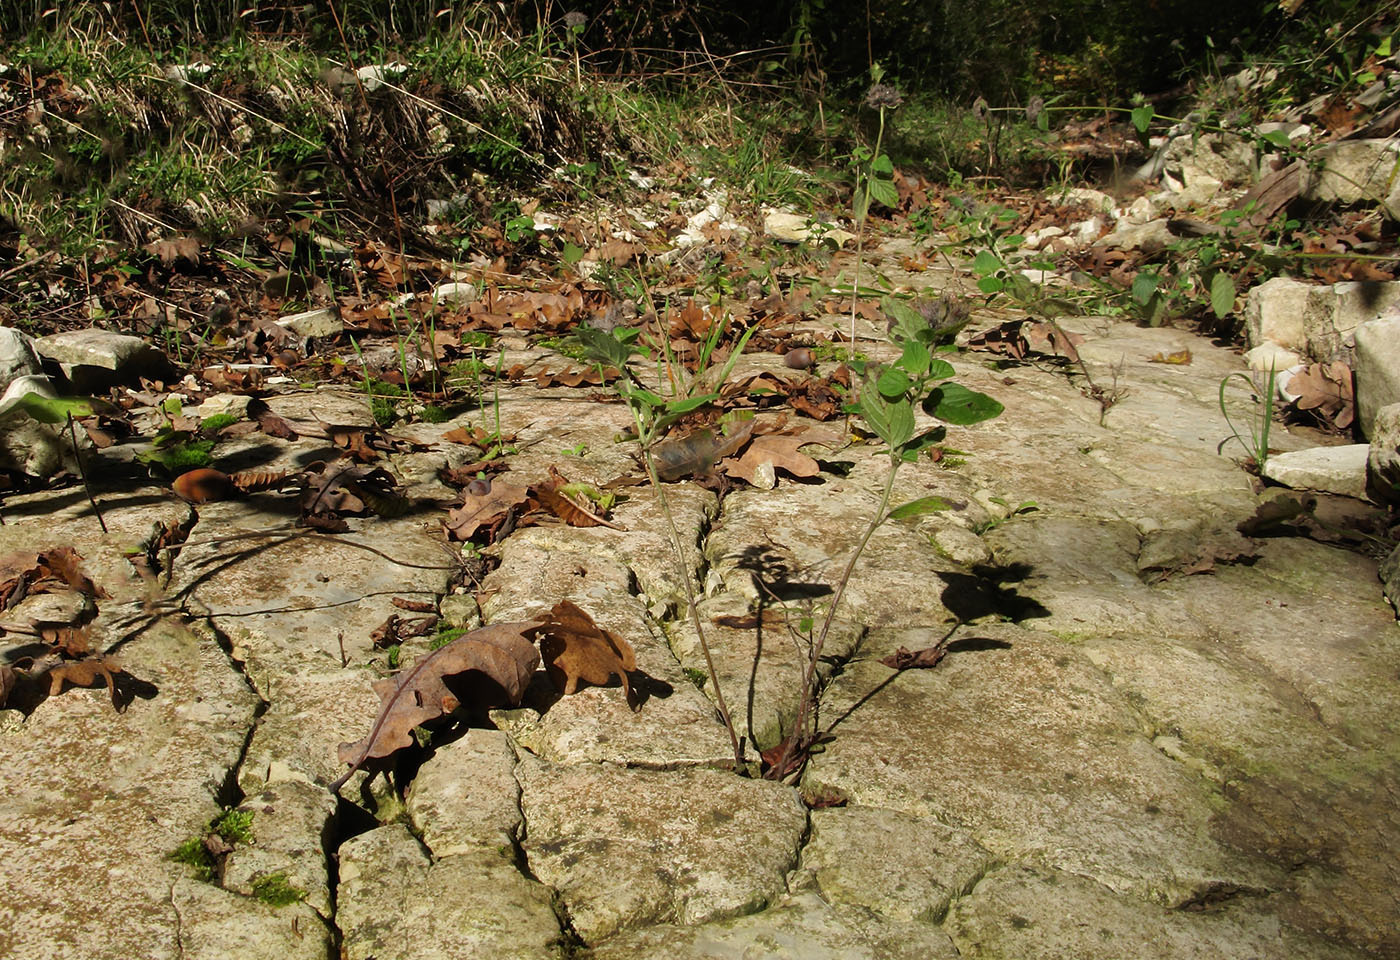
(984, 592)
(777, 578)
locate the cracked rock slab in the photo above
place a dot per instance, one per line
(95, 801)
(1033, 912)
(291, 825)
(674, 724)
(803, 927)
(214, 924)
(896, 865)
(465, 797)
(627, 848)
(1018, 739)
(398, 903)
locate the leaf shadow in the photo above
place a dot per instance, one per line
(985, 592)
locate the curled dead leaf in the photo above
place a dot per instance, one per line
(419, 693)
(575, 648)
(83, 673)
(9, 677)
(485, 509)
(205, 485)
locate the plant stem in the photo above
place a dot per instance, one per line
(78, 458)
(809, 678)
(860, 233)
(684, 571)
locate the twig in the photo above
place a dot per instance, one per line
(78, 458)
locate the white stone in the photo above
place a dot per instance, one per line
(1377, 368)
(1339, 470)
(1314, 320)
(1383, 462)
(1101, 202)
(456, 294)
(1354, 171)
(1152, 237)
(17, 356)
(377, 75)
(795, 228)
(324, 322)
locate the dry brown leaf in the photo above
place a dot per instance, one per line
(71, 641)
(1326, 390)
(203, 486)
(1176, 356)
(55, 568)
(905, 659)
(419, 693)
(696, 453)
(9, 676)
(83, 673)
(181, 248)
(556, 502)
(575, 648)
(478, 510)
(781, 450)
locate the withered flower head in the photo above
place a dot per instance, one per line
(882, 96)
(980, 109)
(574, 19)
(1034, 109)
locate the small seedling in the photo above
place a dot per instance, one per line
(1021, 509)
(1257, 445)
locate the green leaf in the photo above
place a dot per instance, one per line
(647, 397)
(940, 369)
(572, 253)
(956, 404)
(1278, 138)
(690, 403)
(911, 450)
(1042, 122)
(893, 383)
(908, 322)
(53, 409)
(891, 422)
(1222, 294)
(1144, 286)
(860, 205)
(1142, 116)
(990, 285)
(882, 164)
(883, 191)
(916, 358)
(986, 263)
(603, 347)
(917, 508)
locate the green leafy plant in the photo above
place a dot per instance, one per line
(886, 402)
(652, 415)
(1257, 444)
(874, 178)
(1020, 510)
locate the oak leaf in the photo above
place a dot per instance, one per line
(479, 510)
(419, 693)
(781, 450)
(697, 452)
(83, 673)
(575, 648)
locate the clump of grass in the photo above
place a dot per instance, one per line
(231, 826)
(275, 890)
